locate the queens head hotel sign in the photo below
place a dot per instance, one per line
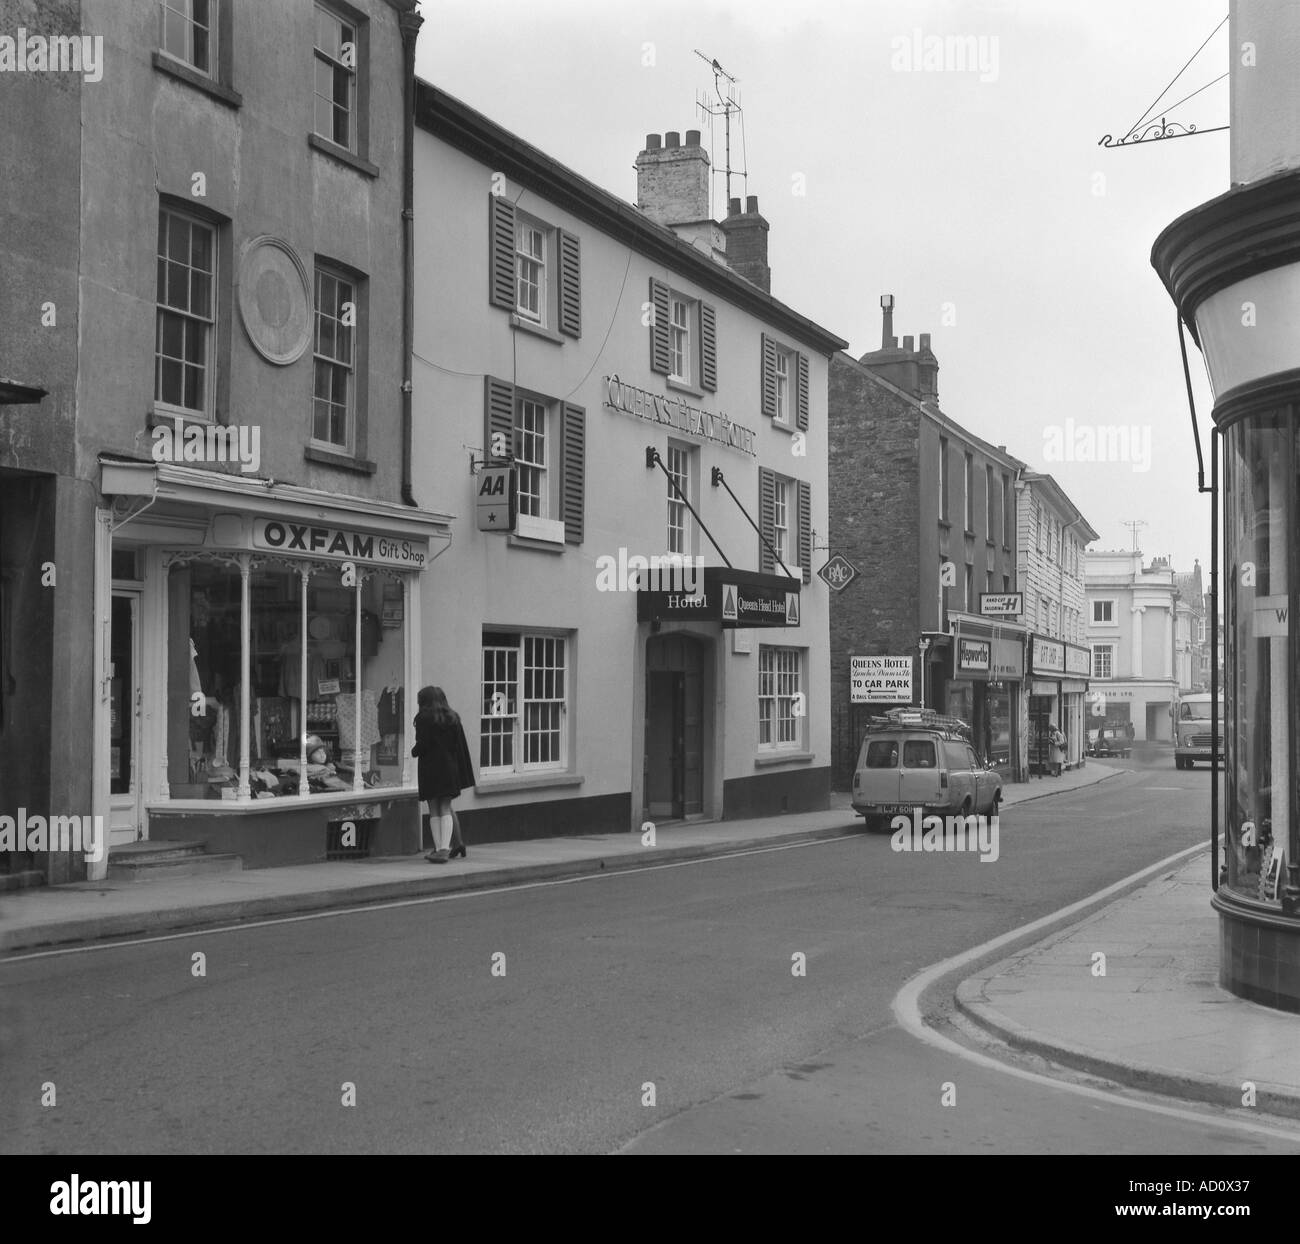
(675, 413)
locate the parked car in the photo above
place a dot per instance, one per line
(1109, 741)
(917, 758)
(1196, 716)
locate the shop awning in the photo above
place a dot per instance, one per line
(268, 515)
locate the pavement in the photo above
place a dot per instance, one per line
(1156, 1020)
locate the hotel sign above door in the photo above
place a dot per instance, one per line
(736, 598)
(677, 414)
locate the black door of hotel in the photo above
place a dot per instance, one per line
(674, 728)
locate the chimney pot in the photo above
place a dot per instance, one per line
(751, 205)
(653, 142)
(733, 207)
(692, 138)
(672, 139)
(925, 341)
(907, 344)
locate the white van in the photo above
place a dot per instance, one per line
(1196, 716)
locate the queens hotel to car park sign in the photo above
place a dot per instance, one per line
(880, 680)
(678, 414)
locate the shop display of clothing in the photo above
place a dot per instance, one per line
(346, 716)
(391, 710)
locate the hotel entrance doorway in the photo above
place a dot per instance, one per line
(674, 727)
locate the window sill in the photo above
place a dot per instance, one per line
(526, 781)
(342, 155)
(993, 544)
(945, 524)
(182, 72)
(165, 417)
(285, 803)
(537, 330)
(763, 759)
(784, 425)
(542, 532)
(970, 533)
(333, 458)
(683, 386)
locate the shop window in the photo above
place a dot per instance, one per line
(522, 723)
(334, 343)
(785, 519)
(782, 708)
(186, 313)
(1103, 661)
(313, 686)
(337, 55)
(1259, 681)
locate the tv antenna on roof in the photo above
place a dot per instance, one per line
(1134, 525)
(728, 101)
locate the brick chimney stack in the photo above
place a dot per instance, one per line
(746, 234)
(914, 370)
(672, 189)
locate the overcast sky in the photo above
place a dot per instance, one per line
(986, 207)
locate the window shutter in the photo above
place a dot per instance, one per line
(801, 395)
(570, 285)
(708, 347)
(501, 252)
(573, 451)
(659, 358)
(805, 530)
(766, 519)
(498, 416)
(769, 377)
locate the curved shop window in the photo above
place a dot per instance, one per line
(325, 710)
(1260, 465)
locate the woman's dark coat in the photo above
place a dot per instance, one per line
(445, 765)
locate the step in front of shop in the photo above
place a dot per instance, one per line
(144, 861)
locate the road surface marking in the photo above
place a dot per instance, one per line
(907, 1011)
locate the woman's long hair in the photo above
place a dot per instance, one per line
(433, 704)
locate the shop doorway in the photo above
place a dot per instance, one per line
(125, 823)
(674, 728)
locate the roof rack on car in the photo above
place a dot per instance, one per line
(926, 717)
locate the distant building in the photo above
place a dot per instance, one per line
(1191, 634)
(1052, 536)
(1130, 629)
(926, 512)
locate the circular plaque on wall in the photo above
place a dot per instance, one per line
(274, 299)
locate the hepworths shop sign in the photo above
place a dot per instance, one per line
(880, 680)
(283, 535)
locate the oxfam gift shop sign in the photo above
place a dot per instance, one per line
(678, 414)
(287, 535)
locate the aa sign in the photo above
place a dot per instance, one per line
(496, 500)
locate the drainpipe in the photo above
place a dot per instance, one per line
(409, 24)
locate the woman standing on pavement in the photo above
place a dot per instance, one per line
(445, 767)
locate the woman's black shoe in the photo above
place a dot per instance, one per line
(458, 851)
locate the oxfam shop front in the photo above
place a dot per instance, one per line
(259, 655)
